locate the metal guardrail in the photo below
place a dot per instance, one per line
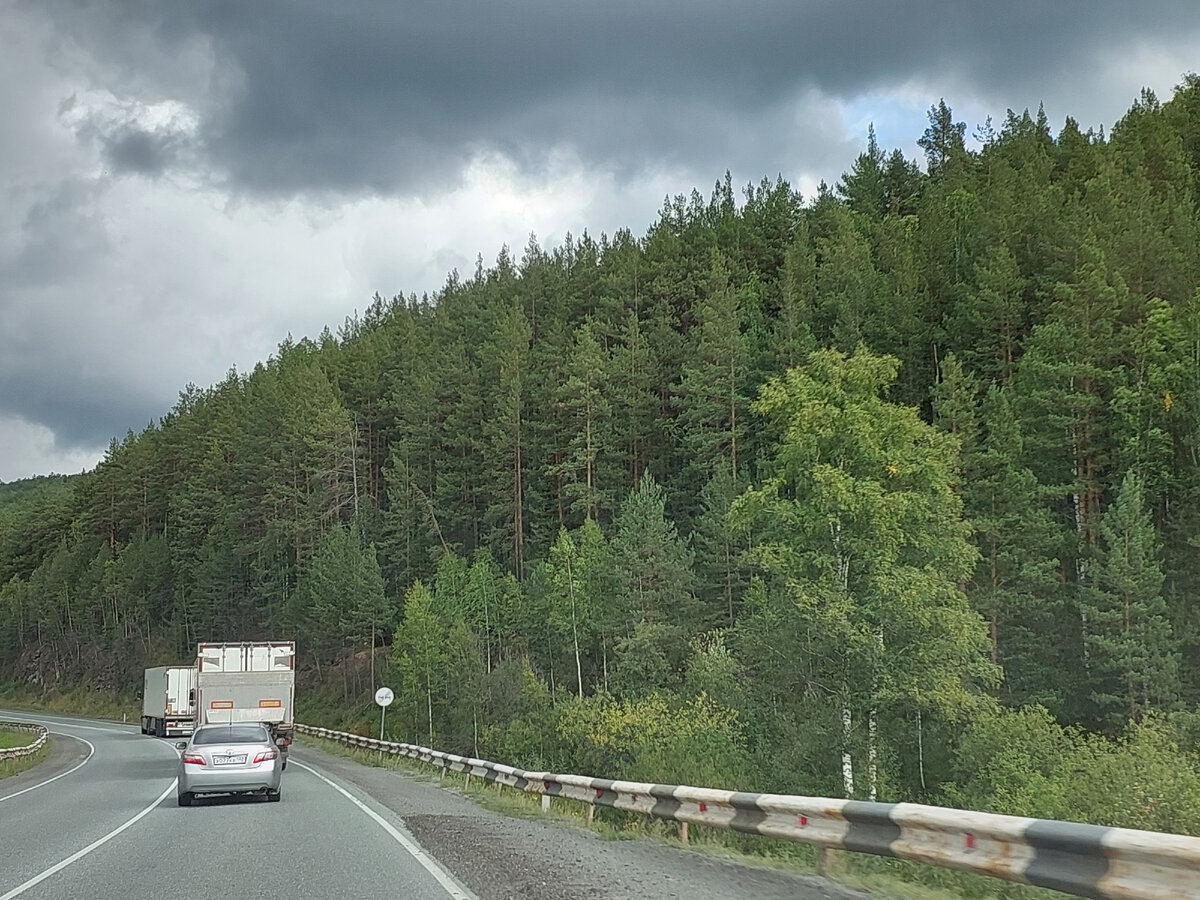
(1084, 860)
(17, 752)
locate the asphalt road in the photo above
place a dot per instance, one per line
(99, 819)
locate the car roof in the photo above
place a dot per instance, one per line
(219, 726)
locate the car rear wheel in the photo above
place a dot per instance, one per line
(185, 799)
(274, 796)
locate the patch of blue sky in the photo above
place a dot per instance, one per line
(901, 116)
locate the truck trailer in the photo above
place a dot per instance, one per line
(252, 681)
(169, 701)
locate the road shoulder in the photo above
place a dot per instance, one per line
(65, 753)
(500, 857)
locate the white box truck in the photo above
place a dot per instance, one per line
(252, 681)
(169, 701)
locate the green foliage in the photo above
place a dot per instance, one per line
(651, 562)
(1132, 650)
(975, 449)
(419, 655)
(860, 522)
(654, 739)
(1022, 762)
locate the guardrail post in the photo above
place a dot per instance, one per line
(545, 803)
(825, 862)
(591, 813)
(683, 832)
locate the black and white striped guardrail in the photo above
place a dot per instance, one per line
(1084, 860)
(18, 752)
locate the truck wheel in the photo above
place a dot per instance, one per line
(185, 799)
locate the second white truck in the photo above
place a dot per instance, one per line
(169, 701)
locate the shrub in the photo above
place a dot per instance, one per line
(1022, 762)
(657, 738)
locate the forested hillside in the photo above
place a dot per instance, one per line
(893, 491)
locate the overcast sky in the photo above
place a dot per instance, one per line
(186, 183)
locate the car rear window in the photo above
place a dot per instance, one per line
(231, 734)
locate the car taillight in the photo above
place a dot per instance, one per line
(193, 759)
(265, 755)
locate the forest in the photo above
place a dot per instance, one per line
(891, 492)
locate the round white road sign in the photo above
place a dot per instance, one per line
(384, 696)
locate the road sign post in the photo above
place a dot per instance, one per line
(384, 698)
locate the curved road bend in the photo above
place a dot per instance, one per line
(111, 828)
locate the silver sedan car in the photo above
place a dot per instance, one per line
(229, 759)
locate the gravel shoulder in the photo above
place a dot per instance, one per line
(65, 752)
(500, 857)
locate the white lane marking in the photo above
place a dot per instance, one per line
(443, 878)
(58, 867)
(86, 760)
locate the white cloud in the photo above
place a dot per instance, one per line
(27, 449)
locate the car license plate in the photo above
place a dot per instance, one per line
(229, 760)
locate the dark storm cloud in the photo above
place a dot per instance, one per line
(79, 410)
(380, 96)
(136, 150)
(60, 237)
(277, 99)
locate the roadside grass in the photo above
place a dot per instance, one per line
(10, 738)
(77, 701)
(891, 878)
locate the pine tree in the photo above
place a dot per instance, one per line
(722, 575)
(863, 186)
(653, 565)
(1015, 585)
(586, 428)
(713, 396)
(507, 438)
(1134, 662)
(943, 141)
(848, 285)
(988, 325)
